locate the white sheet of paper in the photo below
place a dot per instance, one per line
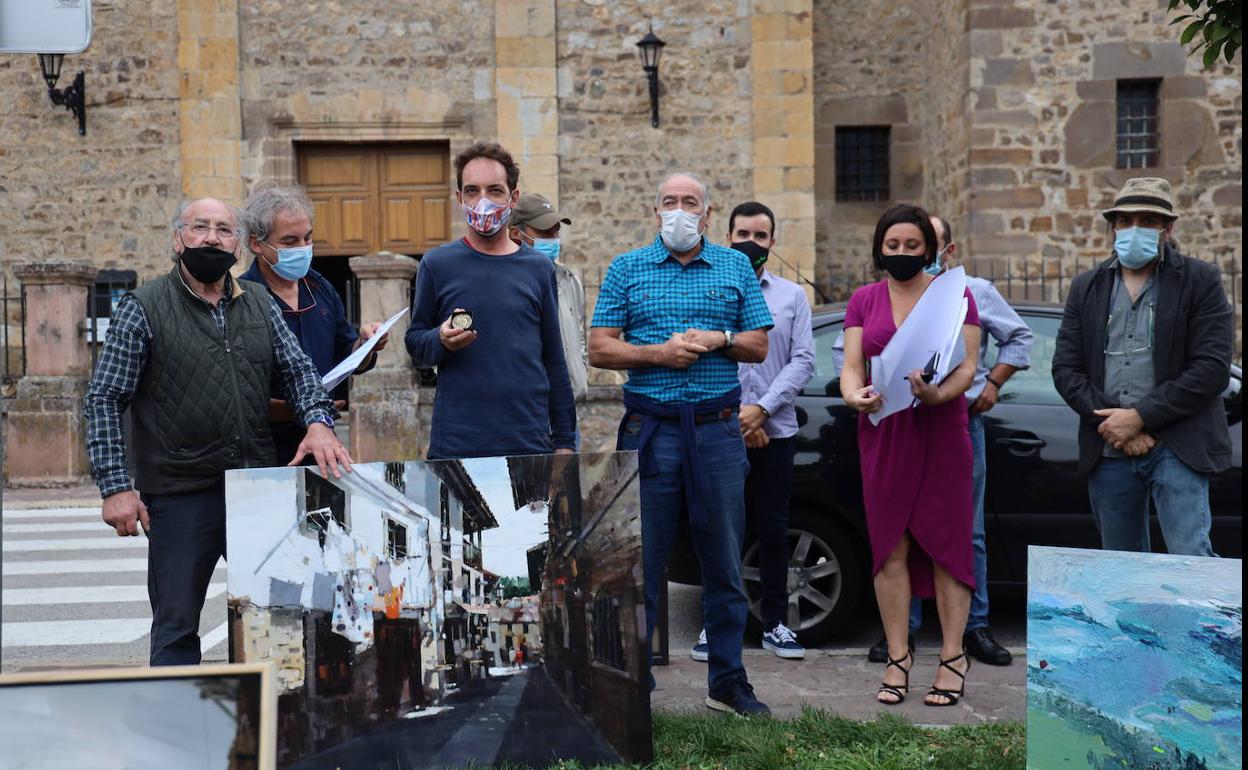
(352, 362)
(930, 328)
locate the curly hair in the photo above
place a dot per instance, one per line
(493, 151)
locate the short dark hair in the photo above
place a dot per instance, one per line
(903, 214)
(946, 230)
(493, 151)
(751, 209)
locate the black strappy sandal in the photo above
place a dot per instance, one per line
(897, 692)
(951, 696)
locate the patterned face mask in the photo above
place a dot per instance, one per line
(487, 217)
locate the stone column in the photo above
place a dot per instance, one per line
(46, 432)
(209, 109)
(385, 418)
(526, 93)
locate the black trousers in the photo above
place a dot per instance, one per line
(186, 539)
(767, 491)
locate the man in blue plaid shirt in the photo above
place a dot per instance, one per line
(679, 314)
(193, 354)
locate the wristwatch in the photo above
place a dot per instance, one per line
(994, 382)
(729, 338)
(326, 420)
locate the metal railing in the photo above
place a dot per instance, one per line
(13, 341)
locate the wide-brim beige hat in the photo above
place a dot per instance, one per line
(1143, 194)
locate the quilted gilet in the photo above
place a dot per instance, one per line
(202, 403)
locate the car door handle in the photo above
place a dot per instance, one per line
(1024, 443)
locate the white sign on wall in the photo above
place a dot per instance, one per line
(45, 26)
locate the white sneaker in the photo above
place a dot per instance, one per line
(701, 651)
(783, 643)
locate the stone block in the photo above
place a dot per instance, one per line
(860, 110)
(1188, 136)
(1000, 17)
(1007, 72)
(1192, 87)
(1229, 195)
(1090, 135)
(45, 448)
(1008, 118)
(1097, 90)
(993, 177)
(985, 43)
(1008, 245)
(1001, 156)
(1011, 198)
(524, 51)
(1135, 59)
(782, 55)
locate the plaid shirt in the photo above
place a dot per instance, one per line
(651, 296)
(123, 356)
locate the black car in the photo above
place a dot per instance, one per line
(1034, 495)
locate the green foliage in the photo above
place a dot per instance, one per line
(1218, 23)
(514, 586)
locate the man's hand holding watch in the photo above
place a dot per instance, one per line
(457, 331)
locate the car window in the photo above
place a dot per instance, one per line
(829, 355)
(1034, 385)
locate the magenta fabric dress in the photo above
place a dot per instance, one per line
(916, 465)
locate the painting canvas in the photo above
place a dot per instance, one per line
(218, 717)
(1134, 660)
(450, 613)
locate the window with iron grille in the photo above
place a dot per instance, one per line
(608, 638)
(396, 539)
(323, 500)
(862, 163)
(394, 476)
(1139, 133)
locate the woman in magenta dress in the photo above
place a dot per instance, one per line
(916, 464)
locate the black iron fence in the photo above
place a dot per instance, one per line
(13, 305)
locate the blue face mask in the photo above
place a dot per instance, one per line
(547, 246)
(1137, 246)
(938, 265)
(293, 263)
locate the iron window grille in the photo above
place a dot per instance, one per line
(1139, 133)
(395, 477)
(862, 163)
(396, 540)
(608, 636)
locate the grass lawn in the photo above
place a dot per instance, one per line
(817, 739)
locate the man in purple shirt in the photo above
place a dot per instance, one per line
(769, 422)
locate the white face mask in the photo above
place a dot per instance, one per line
(680, 231)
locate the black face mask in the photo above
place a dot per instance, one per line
(207, 264)
(756, 253)
(903, 267)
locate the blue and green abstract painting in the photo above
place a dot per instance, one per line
(1134, 660)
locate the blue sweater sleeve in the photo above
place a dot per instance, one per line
(422, 341)
(562, 401)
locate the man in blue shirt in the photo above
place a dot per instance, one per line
(679, 314)
(486, 313)
(278, 225)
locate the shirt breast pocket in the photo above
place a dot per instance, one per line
(644, 307)
(721, 307)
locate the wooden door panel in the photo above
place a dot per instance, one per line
(434, 222)
(357, 222)
(409, 169)
(348, 171)
(400, 224)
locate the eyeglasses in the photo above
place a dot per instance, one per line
(201, 230)
(1152, 318)
(301, 310)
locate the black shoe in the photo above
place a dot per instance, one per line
(879, 653)
(737, 696)
(982, 647)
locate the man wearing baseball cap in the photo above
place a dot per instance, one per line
(536, 223)
(1143, 355)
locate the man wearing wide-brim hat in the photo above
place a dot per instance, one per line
(1143, 355)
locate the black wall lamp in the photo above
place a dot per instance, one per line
(651, 46)
(72, 98)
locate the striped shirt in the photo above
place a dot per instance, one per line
(121, 363)
(651, 296)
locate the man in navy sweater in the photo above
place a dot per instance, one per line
(486, 313)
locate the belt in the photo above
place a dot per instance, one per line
(722, 415)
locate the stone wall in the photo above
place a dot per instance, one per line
(107, 196)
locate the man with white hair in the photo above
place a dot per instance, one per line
(679, 314)
(193, 355)
(277, 223)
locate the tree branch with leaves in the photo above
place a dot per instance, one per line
(1217, 26)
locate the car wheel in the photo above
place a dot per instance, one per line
(825, 580)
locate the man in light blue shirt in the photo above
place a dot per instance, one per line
(769, 422)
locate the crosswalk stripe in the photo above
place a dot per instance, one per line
(48, 633)
(16, 597)
(75, 544)
(84, 566)
(51, 513)
(76, 526)
(213, 638)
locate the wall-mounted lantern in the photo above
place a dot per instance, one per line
(72, 98)
(651, 46)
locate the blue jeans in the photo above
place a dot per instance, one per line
(717, 543)
(1120, 487)
(979, 477)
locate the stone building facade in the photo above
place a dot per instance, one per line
(1000, 114)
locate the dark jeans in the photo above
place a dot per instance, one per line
(186, 540)
(767, 491)
(979, 478)
(717, 543)
(1120, 487)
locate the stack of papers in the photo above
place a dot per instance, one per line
(352, 362)
(933, 328)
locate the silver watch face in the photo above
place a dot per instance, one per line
(461, 320)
